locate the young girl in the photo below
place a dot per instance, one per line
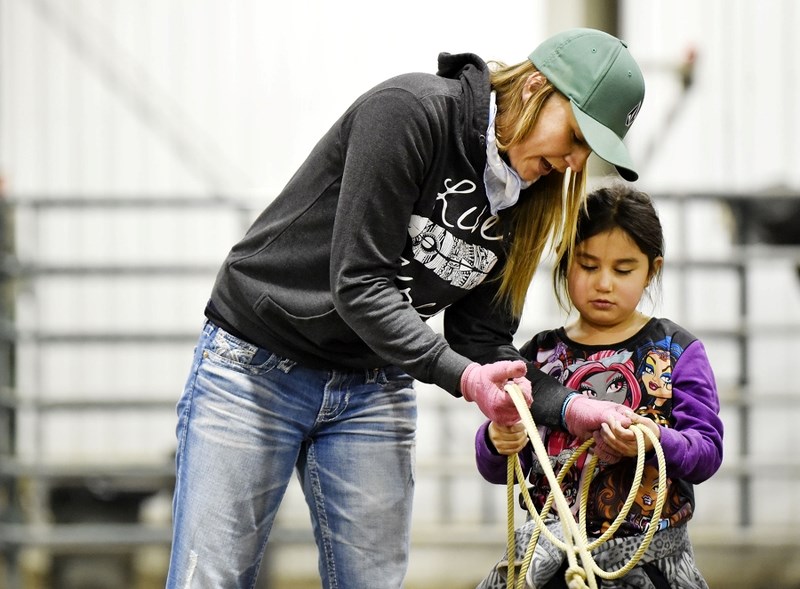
(613, 352)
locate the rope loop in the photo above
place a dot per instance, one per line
(576, 543)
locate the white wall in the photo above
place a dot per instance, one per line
(243, 88)
(180, 98)
(131, 97)
(736, 128)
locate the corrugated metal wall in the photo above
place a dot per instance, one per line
(210, 96)
(138, 138)
(735, 128)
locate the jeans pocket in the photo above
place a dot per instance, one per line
(235, 353)
(393, 377)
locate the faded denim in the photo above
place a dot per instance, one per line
(247, 418)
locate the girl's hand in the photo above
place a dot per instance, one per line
(508, 439)
(615, 439)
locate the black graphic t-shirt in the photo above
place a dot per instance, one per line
(639, 374)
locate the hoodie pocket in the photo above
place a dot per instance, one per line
(323, 329)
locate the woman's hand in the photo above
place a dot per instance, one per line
(585, 416)
(485, 386)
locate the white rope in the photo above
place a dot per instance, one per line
(576, 543)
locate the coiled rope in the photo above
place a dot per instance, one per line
(576, 543)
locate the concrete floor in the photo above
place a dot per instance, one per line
(724, 567)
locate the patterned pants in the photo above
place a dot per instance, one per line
(670, 554)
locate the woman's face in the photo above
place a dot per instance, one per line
(555, 142)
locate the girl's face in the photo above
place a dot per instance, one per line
(555, 142)
(607, 278)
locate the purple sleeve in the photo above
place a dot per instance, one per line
(693, 448)
(493, 466)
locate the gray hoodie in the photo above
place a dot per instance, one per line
(384, 225)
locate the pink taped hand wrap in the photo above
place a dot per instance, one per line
(525, 386)
(584, 415)
(485, 386)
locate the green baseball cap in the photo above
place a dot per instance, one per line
(597, 73)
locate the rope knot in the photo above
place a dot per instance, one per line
(575, 578)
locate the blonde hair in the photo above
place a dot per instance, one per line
(549, 214)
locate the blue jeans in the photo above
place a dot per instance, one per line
(247, 418)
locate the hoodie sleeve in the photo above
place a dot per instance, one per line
(549, 395)
(479, 327)
(483, 331)
(384, 165)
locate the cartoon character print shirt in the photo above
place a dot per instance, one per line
(663, 373)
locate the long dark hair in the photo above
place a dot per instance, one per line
(616, 206)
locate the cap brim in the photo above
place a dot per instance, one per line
(606, 144)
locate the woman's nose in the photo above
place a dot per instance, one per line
(576, 160)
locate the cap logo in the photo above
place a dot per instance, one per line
(632, 115)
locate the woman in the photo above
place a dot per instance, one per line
(431, 192)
